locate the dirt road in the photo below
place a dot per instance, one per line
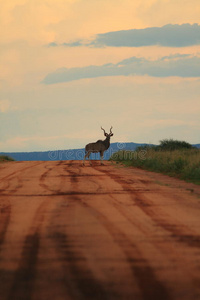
(99, 232)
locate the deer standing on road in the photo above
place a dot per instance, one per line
(100, 146)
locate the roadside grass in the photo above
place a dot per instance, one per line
(5, 158)
(183, 163)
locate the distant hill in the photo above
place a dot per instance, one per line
(71, 154)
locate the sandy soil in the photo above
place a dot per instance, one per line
(99, 232)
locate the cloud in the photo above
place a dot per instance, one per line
(74, 44)
(170, 35)
(175, 65)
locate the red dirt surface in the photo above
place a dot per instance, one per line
(97, 232)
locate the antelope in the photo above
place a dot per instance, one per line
(100, 146)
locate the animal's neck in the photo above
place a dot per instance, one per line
(107, 142)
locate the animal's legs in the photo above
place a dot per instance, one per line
(89, 158)
(87, 155)
(101, 154)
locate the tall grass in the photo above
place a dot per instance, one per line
(182, 163)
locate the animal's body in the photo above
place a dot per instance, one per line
(99, 146)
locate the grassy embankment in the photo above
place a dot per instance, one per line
(5, 158)
(174, 158)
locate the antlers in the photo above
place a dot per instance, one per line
(105, 131)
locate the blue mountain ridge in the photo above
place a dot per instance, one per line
(72, 154)
(69, 154)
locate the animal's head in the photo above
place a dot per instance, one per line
(108, 135)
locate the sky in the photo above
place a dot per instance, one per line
(69, 67)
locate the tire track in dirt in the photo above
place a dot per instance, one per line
(75, 265)
(21, 170)
(5, 213)
(7, 183)
(8, 192)
(4, 190)
(146, 207)
(15, 180)
(24, 277)
(176, 230)
(46, 174)
(151, 288)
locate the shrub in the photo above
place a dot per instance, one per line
(172, 145)
(6, 158)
